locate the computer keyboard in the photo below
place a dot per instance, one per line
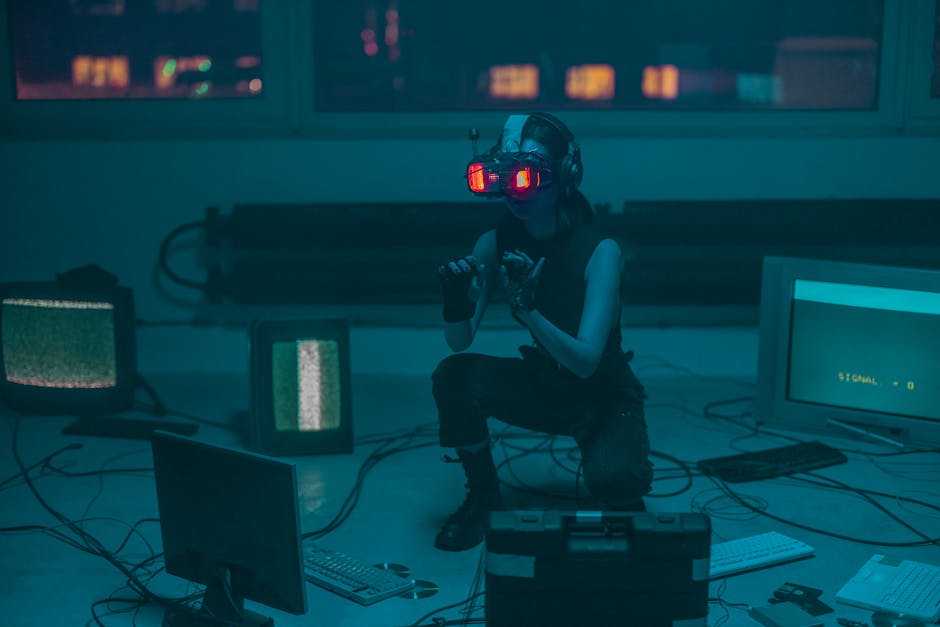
(914, 590)
(753, 552)
(774, 462)
(887, 584)
(349, 577)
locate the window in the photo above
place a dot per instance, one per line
(730, 55)
(145, 68)
(415, 68)
(140, 49)
(935, 76)
(923, 71)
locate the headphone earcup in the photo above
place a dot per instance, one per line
(576, 172)
(570, 169)
(571, 173)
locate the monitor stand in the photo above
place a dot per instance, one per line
(221, 605)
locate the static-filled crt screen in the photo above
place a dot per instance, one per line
(865, 347)
(59, 343)
(306, 375)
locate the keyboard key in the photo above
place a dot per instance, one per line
(350, 577)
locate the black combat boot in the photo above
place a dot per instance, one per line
(465, 528)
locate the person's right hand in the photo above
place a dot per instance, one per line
(456, 278)
(520, 279)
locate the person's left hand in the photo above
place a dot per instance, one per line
(520, 278)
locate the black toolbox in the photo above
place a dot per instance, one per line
(572, 568)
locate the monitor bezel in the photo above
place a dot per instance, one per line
(77, 401)
(263, 436)
(773, 408)
(178, 559)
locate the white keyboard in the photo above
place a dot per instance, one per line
(886, 584)
(916, 590)
(766, 549)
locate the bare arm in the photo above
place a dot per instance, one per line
(459, 335)
(582, 354)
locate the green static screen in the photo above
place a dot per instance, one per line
(58, 343)
(306, 385)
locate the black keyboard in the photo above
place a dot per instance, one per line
(774, 462)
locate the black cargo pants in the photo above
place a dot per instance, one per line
(604, 413)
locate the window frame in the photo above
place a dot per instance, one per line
(155, 117)
(923, 112)
(287, 107)
(884, 120)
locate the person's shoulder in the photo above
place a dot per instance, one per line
(604, 244)
(485, 247)
(606, 257)
(487, 239)
(608, 246)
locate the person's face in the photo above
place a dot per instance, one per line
(543, 201)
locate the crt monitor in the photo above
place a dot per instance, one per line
(850, 349)
(66, 349)
(301, 399)
(229, 520)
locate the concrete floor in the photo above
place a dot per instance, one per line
(406, 497)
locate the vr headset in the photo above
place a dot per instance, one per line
(507, 171)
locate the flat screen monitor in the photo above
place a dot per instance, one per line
(67, 350)
(301, 400)
(850, 349)
(229, 520)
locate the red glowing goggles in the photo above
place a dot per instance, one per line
(516, 174)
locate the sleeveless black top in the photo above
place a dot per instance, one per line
(560, 294)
